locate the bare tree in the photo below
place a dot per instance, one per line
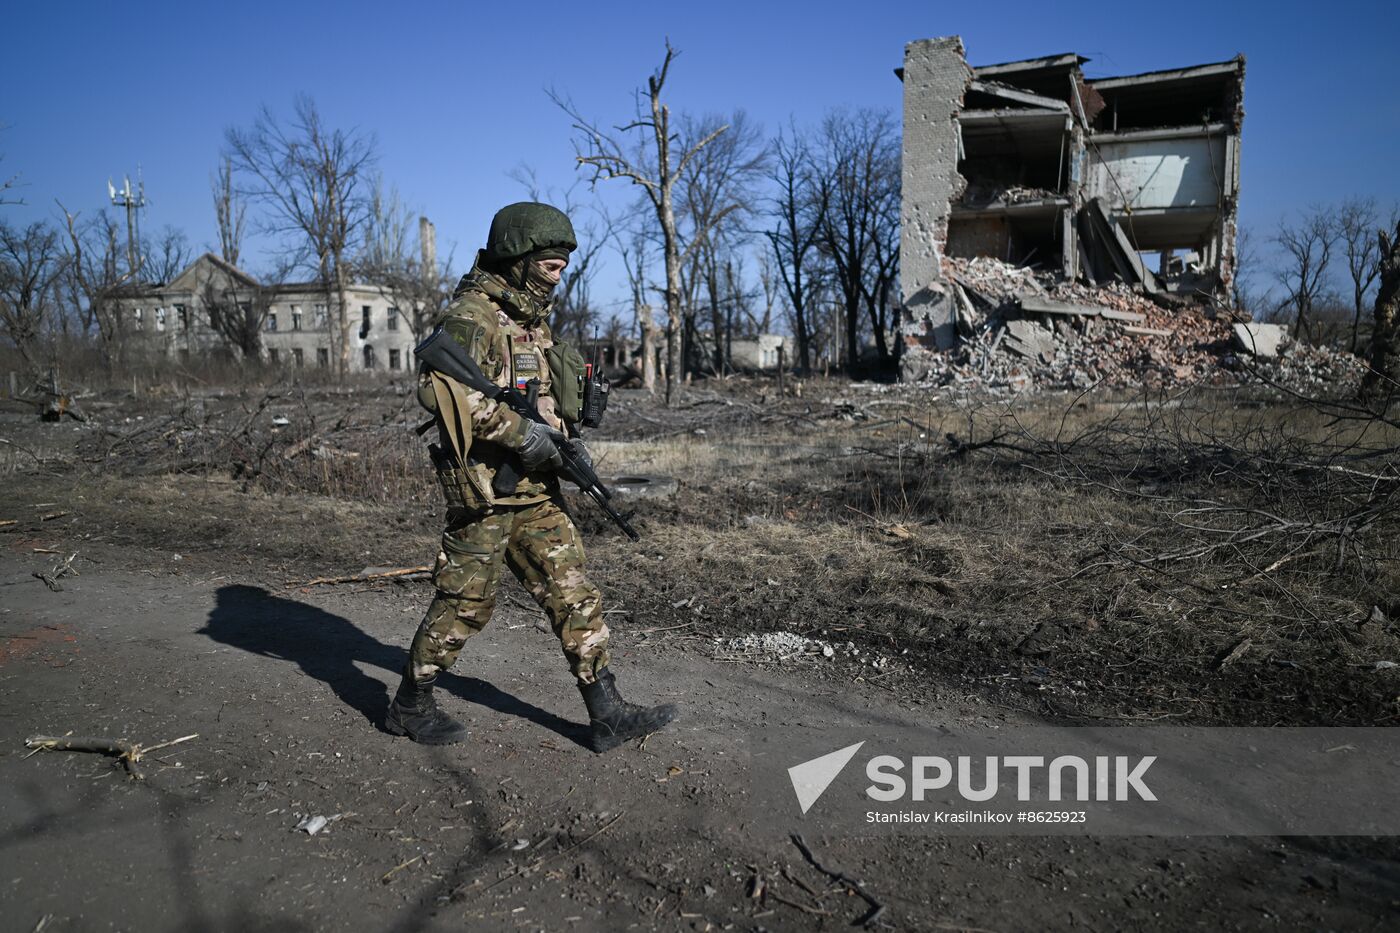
(799, 210)
(31, 261)
(92, 276)
(169, 255)
(409, 275)
(771, 292)
(1357, 223)
(860, 228)
(656, 168)
(237, 311)
(1307, 246)
(313, 182)
(230, 213)
(633, 251)
(717, 192)
(1247, 298)
(1382, 380)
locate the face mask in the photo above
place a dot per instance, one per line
(538, 282)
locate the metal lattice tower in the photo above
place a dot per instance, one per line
(133, 202)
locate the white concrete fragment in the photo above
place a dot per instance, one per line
(1261, 340)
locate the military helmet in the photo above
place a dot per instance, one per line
(527, 227)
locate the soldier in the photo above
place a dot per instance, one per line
(498, 313)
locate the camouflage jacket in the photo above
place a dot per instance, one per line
(487, 318)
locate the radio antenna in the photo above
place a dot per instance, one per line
(133, 202)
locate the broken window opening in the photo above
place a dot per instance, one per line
(1009, 158)
(1032, 240)
(1170, 99)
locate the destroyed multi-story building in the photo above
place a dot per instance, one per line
(1129, 179)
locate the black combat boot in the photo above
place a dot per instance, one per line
(614, 720)
(415, 713)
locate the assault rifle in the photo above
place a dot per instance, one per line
(439, 352)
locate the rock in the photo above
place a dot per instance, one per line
(1261, 340)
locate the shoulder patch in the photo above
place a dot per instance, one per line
(468, 332)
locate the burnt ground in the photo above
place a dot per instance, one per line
(187, 614)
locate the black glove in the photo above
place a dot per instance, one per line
(539, 447)
(581, 452)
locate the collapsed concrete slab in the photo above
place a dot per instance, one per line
(1261, 340)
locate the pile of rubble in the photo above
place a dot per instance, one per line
(1019, 328)
(781, 647)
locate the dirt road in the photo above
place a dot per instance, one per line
(520, 828)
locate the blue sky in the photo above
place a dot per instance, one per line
(455, 92)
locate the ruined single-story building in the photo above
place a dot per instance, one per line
(1123, 179)
(174, 319)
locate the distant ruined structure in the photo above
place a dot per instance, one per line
(1031, 164)
(296, 331)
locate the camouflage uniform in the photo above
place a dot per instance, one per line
(528, 530)
(498, 314)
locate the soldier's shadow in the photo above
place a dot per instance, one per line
(328, 647)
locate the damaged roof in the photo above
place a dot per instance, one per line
(1209, 70)
(1044, 63)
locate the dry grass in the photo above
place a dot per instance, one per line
(1203, 557)
(1207, 556)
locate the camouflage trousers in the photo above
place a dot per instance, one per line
(543, 549)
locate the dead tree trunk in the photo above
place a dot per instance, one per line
(648, 347)
(1382, 381)
(610, 158)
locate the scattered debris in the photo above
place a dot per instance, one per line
(1235, 653)
(59, 570)
(53, 403)
(128, 753)
(311, 825)
(780, 647)
(524, 869)
(876, 908)
(388, 877)
(1020, 329)
(368, 574)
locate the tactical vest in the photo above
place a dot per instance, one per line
(510, 353)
